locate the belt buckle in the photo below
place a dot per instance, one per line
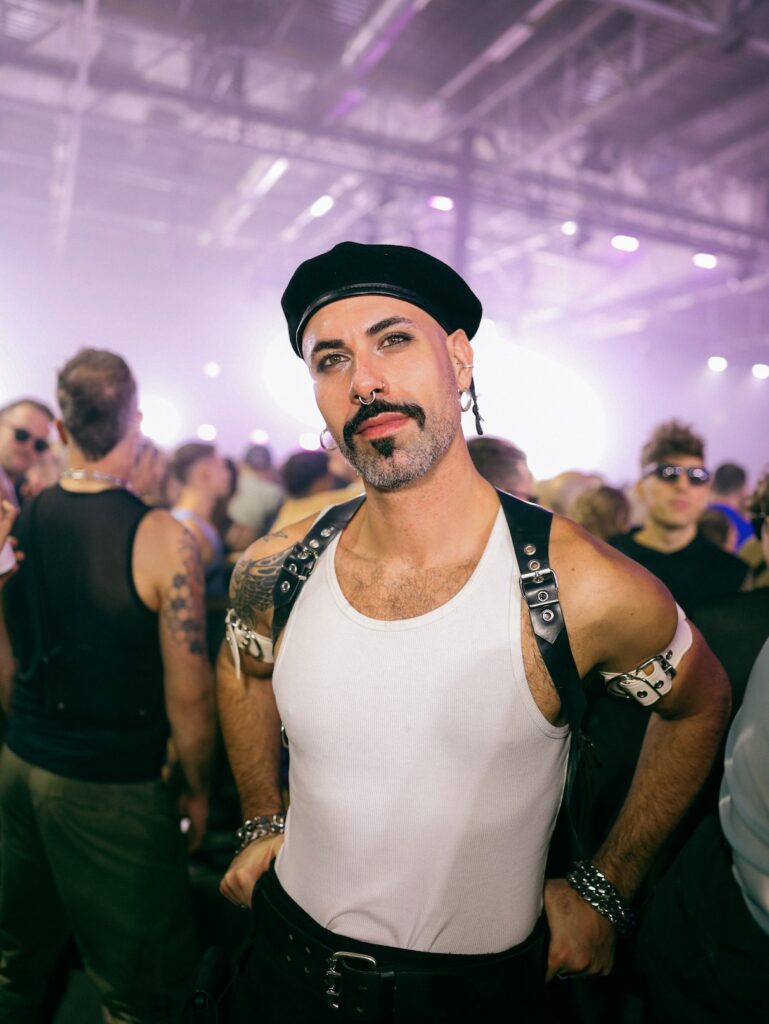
(333, 994)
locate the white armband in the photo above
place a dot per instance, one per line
(241, 638)
(654, 677)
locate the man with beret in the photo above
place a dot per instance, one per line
(428, 740)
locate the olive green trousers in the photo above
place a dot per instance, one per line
(106, 863)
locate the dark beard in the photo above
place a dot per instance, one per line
(384, 445)
(382, 462)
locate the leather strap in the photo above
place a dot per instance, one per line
(302, 559)
(529, 527)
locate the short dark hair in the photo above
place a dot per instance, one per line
(258, 457)
(97, 394)
(34, 402)
(728, 478)
(672, 438)
(301, 470)
(189, 455)
(495, 459)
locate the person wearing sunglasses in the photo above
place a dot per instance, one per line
(25, 425)
(675, 490)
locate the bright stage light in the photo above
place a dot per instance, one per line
(321, 206)
(625, 243)
(309, 441)
(760, 371)
(705, 260)
(569, 228)
(571, 434)
(212, 369)
(161, 421)
(717, 364)
(258, 437)
(206, 432)
(445, 204)
(288, 382)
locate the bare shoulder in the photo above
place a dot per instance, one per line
(620, 611)
(257, 570)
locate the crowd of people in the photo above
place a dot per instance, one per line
(120, 786)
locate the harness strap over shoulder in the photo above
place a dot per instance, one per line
(303, 557)
(529, 527)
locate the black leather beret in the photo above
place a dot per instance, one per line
(398, 270)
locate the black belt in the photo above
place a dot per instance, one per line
(369, 982)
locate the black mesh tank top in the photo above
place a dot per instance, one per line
(88, 694)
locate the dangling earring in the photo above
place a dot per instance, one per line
(465, 400)
(327, 447)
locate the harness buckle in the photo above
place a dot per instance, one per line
(333, 976)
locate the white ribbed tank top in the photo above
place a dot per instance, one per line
(424, 779)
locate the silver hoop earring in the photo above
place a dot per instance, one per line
(465, 400)
(327, 447)
(371, 399)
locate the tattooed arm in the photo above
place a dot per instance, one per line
(167, 557)
(247, 709)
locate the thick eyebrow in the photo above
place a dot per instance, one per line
(391, 321)
(381, 325)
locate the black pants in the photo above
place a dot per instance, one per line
(703, 958)
(284, 978)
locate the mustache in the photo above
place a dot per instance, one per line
(377, 407)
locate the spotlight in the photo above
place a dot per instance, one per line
(309, 441)
(569, 228)
(259, 437)
(321, 206)
(717, 364)
(625, 243)
(760, 371)
(212, 369)
(160, 420)
(705, 260)
(207, 432)
(445, 204)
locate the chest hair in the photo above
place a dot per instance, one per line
(398, 592)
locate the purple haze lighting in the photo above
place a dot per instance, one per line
(569, 228)
(443, 203)
(717, 364)
(705, 260)
(206, 432)
(625, 243)
(760, 371)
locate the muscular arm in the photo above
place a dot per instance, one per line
(635, 619)
(247, 710)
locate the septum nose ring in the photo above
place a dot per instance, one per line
(371, 399)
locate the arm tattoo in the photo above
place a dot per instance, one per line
(280, 534)
(252, 585)
(183, 607)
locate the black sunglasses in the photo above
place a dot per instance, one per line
(669, 473)
(22, 436)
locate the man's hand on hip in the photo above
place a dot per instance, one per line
(581, 939)
(247, 868)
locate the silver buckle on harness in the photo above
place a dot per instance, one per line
(333, 994)
(537, 579)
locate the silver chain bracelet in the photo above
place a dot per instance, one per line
(259, 827)
(594, 887)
